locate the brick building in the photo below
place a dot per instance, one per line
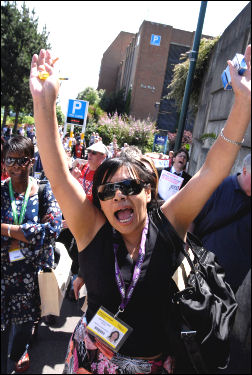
(143, 63)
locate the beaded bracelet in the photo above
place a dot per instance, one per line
(230, 140)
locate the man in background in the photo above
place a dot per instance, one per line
(224, 226)
(180, 159)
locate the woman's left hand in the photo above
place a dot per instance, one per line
(242, 84)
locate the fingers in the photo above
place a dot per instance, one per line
(41, 58)
(34, 65)
(248, 56)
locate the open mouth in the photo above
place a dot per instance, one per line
(124, 216)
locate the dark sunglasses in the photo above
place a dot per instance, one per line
(92, 152)
(127, 187)
(22, 162)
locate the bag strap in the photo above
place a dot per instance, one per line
(41, 212)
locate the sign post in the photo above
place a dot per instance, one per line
(77, 115)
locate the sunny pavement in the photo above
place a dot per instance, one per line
(47, 354)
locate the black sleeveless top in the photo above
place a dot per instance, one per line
(148, 309)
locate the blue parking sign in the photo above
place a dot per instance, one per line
(77, 111)
(155, 40)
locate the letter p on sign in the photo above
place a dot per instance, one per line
(76, 105)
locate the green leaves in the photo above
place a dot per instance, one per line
(180, 72)
(20, 39)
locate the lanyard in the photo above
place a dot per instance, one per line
(126, 295)
(24, 205)
(84, 180)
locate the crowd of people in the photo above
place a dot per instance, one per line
(113, 227)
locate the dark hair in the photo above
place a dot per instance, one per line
(20, 144)
(110, 166)
(181, 150)
(113, 333)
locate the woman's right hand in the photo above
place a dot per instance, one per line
(44, 89)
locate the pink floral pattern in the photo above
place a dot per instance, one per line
(84, 357)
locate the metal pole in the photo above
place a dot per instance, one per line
(189, 80)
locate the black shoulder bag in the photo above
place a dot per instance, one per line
(206, 308)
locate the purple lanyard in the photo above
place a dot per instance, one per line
(84, 180)
(126, 295)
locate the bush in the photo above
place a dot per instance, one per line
(186, 139)
(139, 133)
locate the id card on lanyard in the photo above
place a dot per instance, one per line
(16, 254)
(106, 326)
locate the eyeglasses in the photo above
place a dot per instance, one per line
(22, 162)
(92, 152)
(182, 156)
(127, 187)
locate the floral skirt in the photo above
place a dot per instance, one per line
(85, 356)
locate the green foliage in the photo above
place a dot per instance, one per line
(20, 39)
(126, 129)
(180, 72)
(114, 102)
(91, 95)
(27, 120)
(205, 136)
(94, 112)
(60, 115)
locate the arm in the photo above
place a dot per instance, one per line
(15, 232)
(67, 190)
(182, 208)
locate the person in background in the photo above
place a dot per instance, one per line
(171, 153)
(65, 141)
(120, 242)
(78, 150)
(92, 139)
(224, 227)
(4, 174)
(224, 224)
(27, 244)
(180, 159)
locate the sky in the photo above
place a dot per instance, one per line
(81, 31)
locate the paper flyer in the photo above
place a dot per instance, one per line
(169, 184)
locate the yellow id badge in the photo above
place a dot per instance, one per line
(112, 331)
(15, 255)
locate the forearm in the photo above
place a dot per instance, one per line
(15, 232)
(222, 154)
(51, 150)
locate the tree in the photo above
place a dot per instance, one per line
(60, 115)
(90, 95)
(114, 102)
(20, 39)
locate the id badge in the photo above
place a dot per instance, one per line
(112, 331)
(15, 255)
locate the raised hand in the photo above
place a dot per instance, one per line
(44, 88)
(242, 84)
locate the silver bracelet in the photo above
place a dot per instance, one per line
(9, 228)
(230, 140)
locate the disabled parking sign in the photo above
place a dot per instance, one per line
(77, 111)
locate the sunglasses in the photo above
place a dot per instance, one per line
(92, 152)
(22, 162)
(127, 187)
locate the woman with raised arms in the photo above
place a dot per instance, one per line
(126, 262)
